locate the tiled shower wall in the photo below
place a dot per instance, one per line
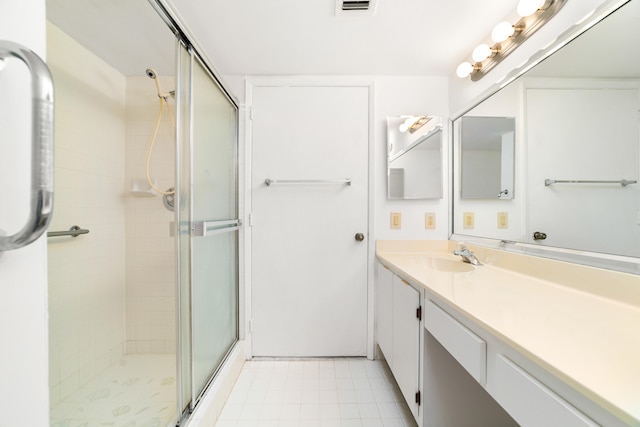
(111, 291)
(86, 274)
(150, 264)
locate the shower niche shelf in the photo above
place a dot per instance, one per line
(141, 188)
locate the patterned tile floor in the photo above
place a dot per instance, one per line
(315, 393)
(138, 391)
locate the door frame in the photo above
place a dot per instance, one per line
(245, 156)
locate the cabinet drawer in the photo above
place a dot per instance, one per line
(466, 347)
(530, 402)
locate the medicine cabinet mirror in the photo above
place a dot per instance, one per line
(414, 161)
(487, 148)
(576, 141)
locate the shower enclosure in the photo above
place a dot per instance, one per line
(144, 307)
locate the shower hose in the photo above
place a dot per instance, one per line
(162, 100)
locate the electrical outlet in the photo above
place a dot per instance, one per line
(468, 220)
(396, 220)
(430, 220)
(503, 220)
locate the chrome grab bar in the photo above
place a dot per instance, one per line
(623, 182)
(41, 147)
(269, 181)
(74, 231)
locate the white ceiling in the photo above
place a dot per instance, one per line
(305, 37)
(288, 37)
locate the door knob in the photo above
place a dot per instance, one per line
(538, 235)
(359, 237)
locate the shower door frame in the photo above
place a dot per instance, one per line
(184, 43)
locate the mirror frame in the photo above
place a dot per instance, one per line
(622, 263)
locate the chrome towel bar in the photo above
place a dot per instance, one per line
(623, 182)
(74, 231)
(346, 181)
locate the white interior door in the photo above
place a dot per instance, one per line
(600, 128)
(309, 272)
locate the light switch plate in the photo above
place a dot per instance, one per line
(468, 220)
(396, 220)
(503, 220)
(430, 220)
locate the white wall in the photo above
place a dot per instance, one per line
(150, 261)
(395, 96)
(23, 275)
(86, 274)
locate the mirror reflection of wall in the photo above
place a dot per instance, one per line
(487, 150)
(414, 164)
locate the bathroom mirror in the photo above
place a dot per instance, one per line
(577, 136)
(414, 161)
(487, 149)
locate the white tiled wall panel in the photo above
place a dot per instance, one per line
(86, 274)
(111, 291)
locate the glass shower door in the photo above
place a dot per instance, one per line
(214, 265)
(208, 213)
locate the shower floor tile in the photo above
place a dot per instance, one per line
(310, 393)
(137, 391)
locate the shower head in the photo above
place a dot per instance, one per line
(153, 74)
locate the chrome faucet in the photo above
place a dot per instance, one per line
(467, 255)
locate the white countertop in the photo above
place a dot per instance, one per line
(579, 331)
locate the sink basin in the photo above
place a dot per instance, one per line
(450, 265)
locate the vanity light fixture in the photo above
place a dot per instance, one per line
(413, 123)
(507, 37)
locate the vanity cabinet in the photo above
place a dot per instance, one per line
(407, 315)
(398, 333)
(384, 311)
(527, 399)
(466, 347)
(531, 402)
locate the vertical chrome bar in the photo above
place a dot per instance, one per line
(191, 220)
(41, 197)
(180, 403)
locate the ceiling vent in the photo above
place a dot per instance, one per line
(355, 7)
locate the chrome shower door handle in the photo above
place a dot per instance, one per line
(41, 197)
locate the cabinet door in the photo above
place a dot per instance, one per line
(384, 317)
(406, 341)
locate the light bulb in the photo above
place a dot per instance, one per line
(529, 7)
(481, 53)
(502, 31)
(403, 127)
(464, 70)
